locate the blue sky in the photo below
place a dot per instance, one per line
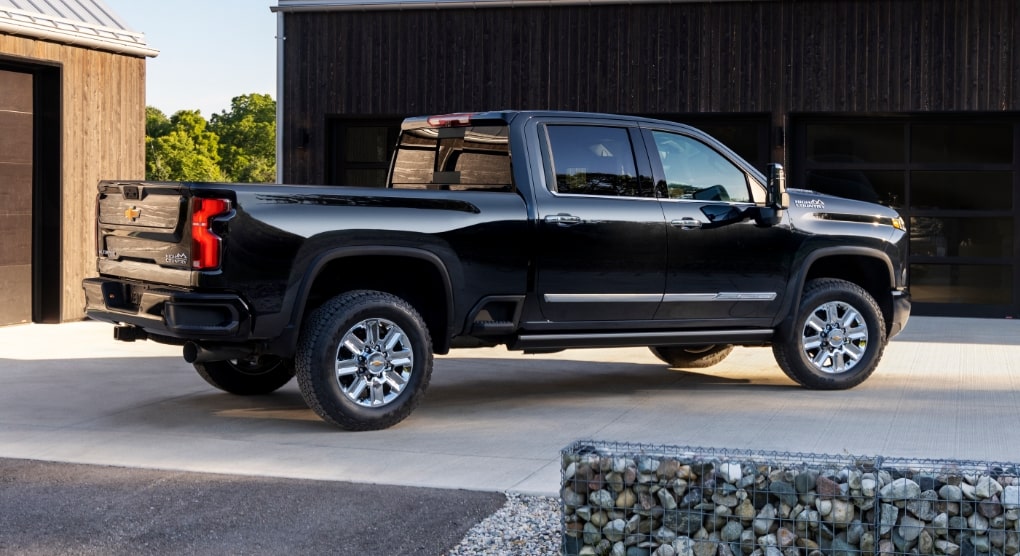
(210, 51)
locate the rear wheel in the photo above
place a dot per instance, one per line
(364, 360)
(692, 357)
(248, 377)
(837, 337)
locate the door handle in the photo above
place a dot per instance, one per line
(563, 219)
(686, 223)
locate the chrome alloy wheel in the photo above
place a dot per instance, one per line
(835, 337)
(374, 362)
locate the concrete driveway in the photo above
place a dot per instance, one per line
(495, 420)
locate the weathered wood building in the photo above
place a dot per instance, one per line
(913, 103)
(72, 112)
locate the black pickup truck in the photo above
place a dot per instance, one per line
(541, 231)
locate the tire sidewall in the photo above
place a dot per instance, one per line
(816, 295)
(319, 361)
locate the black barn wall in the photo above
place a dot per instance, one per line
(777, 57)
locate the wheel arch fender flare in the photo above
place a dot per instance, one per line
(795, 287)
(303, 286)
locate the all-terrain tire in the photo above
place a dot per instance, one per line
(364, 360)
(692, 357)
(835, 340)
(243, 377)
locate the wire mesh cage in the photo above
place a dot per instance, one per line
(625, 499)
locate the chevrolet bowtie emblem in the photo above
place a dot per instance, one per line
(132, 213)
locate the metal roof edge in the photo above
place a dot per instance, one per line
(72, 32)
(366, 5)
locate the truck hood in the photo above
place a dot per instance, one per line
(806, 205)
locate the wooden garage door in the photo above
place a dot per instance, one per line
(15, 197)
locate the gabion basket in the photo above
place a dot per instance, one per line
(625, 499)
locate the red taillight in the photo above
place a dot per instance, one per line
(205, 245)
(459, 119)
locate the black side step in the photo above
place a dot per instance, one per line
(641, 339)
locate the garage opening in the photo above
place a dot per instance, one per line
(30, 193)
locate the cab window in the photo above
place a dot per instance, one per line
(593, 160)
(693, 170)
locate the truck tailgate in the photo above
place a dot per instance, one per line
(144, 226)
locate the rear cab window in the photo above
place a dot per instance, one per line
(469, 158)
(594, 160)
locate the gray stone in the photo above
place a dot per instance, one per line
(981, 543)
(683, 546)
(603, 548)
(887, 518)
(854, 532)
(731, 531)
(987, 487)
(924, 506)
(747, 544)
(941, 524)
(614, 530)
(842, 548)
(1011, 497)
(951, 493)
(978, 524)
(804, 481)
(901, 489)
(1012, 544)
(910, 528)
(637, 551)
(785, 492)
(902, 544)
(618, 550)
(773, 551)
(647, 465)
(591, 534)
(731, 472)
(957, 523)
(842, 513)
(947, 548)
(683, 522)
(763, 522)
(668, 502)
(664, 550)
(602, 499)
(925, 543)
(664, 535)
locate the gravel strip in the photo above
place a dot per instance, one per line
(524, 526)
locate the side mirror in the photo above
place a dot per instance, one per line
(776, 197)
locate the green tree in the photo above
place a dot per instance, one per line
(247, 135)
(185, 151)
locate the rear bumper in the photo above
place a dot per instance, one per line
(167, 312)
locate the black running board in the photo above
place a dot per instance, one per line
(529, 342)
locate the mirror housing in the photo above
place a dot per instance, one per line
(776, 197)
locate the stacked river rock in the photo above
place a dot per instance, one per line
(689, 502)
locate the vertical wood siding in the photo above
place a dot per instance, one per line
(778, 57)
(102, 137)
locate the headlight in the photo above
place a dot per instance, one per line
(899, 224)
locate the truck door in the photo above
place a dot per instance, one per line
(722, 266)
(601, 250)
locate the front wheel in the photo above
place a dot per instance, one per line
(692, 357)
(837, 337)
(364, 360)
(247, 377)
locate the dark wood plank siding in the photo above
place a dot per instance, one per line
(781, 57)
